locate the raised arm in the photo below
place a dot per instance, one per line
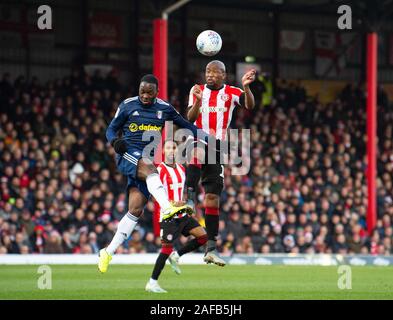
(249, 101)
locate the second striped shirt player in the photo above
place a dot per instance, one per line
(173, 179)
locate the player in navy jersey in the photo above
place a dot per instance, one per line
(135, 116)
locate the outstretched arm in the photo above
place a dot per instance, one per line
(183, 123)
(211, 141)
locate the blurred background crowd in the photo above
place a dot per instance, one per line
(305, 192)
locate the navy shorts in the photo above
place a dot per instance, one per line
(127, 165)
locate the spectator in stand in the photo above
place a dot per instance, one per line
(305, 192)
(53, 244)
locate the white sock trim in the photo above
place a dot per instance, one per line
(132, 217)
(124, 229)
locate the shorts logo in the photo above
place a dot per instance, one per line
(225, 97)
(169, 237)
(159, 114)
(136, 153)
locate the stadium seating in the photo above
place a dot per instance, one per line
(305, 192)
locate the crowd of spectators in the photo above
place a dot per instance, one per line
(306, 190)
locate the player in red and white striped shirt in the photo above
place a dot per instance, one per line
(172, 176)
(211, 107)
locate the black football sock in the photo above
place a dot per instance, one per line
(160, 264)
(211, 222)
(193, 174)
(211, 245)
(192, 245)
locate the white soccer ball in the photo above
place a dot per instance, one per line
(209, 43)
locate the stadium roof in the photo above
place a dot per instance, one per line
(285, 5)
(376, 11)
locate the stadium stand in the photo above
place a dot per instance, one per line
(306, 190)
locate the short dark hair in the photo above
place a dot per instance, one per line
(218, 63)
(150, 78)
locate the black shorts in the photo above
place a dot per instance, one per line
(212, 175)
(212, 178)
(171, 229)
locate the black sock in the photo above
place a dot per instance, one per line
(193, 174)
(160, 264)
(189, 246)
(211, 245)
(211, 222)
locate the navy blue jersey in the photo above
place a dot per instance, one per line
(133, 119)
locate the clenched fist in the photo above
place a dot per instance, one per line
(197, 92)
(248, 77)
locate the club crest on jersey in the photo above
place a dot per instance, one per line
(225, 97)
(159, 114)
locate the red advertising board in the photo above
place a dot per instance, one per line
(105, 30)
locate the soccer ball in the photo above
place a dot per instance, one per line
(209, 43)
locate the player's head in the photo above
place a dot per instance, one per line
(215, 73)
(170, 148)
(148, 89)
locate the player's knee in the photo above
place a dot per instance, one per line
(150, 168)
(145, 168)
(212, 199)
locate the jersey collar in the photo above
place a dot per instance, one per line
(212, 89)
(168, 166)
(154, 102)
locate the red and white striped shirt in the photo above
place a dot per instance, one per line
(173, 180)
(216, 109)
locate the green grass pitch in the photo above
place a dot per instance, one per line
(199, 282)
